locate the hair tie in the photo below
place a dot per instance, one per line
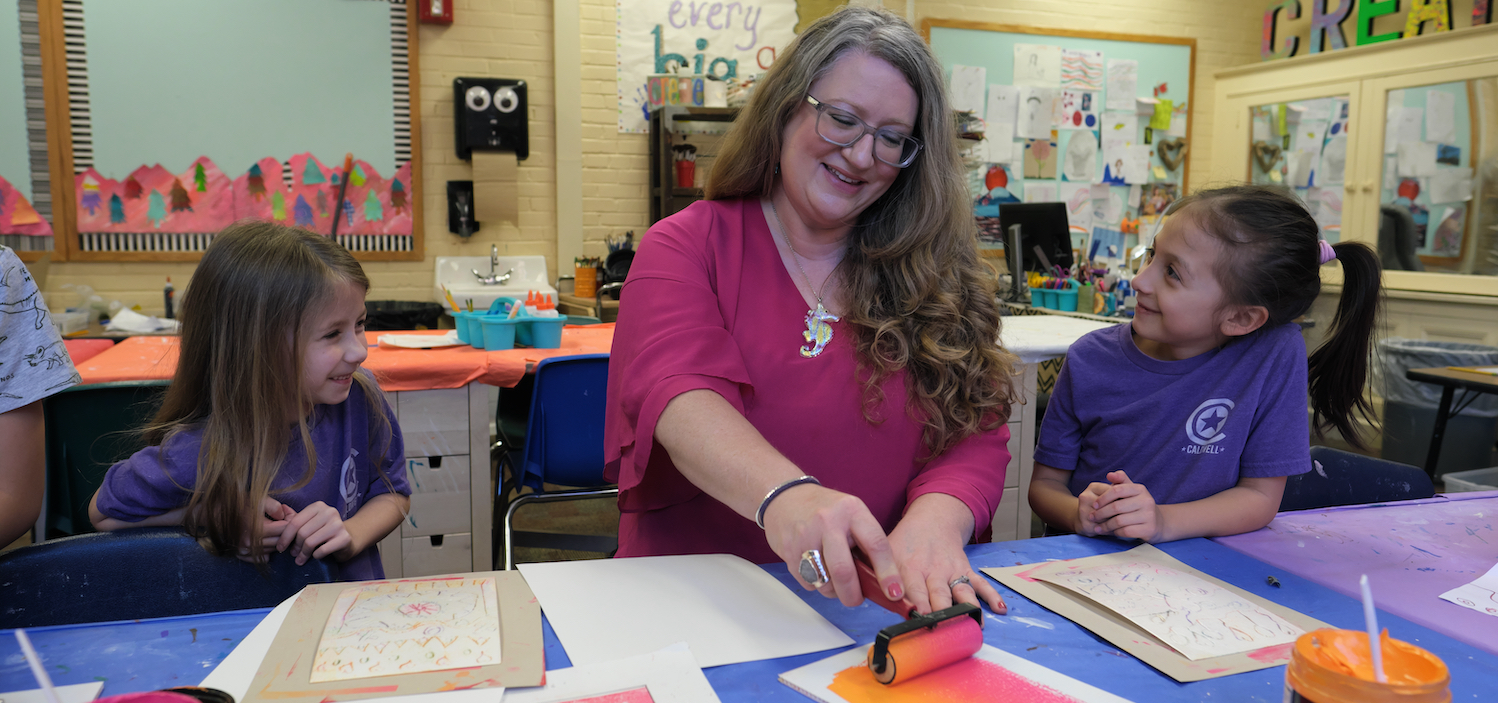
(1327, 253)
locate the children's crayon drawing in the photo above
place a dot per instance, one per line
(408, 627)
(1196, 617)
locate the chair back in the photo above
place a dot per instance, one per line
(1397, 239)
(144, 572)
(564, 439)
(1345, 478)
(89, 428)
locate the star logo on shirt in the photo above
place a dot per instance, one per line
(1205, 424)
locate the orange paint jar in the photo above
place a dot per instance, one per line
(1335, 666)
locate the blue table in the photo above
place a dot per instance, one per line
(145, 655)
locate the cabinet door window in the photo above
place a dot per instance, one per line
(1302, 145)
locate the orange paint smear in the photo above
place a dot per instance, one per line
(968, 680)
(1346, 652)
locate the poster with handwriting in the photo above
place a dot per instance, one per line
(406, 627)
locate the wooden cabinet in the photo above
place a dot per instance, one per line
(449, 528)
(1012, 520)
(676, 125)
(1372, 79)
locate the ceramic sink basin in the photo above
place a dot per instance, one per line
(528, 273)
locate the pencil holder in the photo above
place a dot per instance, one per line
(585, 281)
(461, 322)
(1037, 298)
(1085, 302)
(1067, 300)
(499, 332)
(1050, 300)
(546, 333)
(523, 330)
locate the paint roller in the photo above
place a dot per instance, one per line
(923, 643)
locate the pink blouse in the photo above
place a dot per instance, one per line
(709, 305)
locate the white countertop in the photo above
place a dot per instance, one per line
(1039, 337)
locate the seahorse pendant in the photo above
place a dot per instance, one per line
(818, 333)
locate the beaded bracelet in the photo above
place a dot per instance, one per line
(759, 515)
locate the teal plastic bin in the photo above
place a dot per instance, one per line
(546, 333)
(462, 322)
(499, 332)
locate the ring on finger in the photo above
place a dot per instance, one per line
(959, 579)
(812, 570)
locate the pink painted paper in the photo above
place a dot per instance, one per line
(17, 216)
(167, 202)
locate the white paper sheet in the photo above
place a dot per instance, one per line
(1100, 192)
(967, 89)
(1037, 65)
(1123, 82)
(1177, 122)
(1440, 116)
(1041, 192)
(1037, 112)
(1079, 110)
(1135, 193)
(1451, 185)
(671, 675)
(1080, 163)
(1001, 149)
(814, 680)
(1081, 70)
(1391, 173)
(1078, 199)
(1118, 124)
(1417, 159)
(1299, 165)
(1000, 130)
(1115, 152)
(1137, 164)
(1309, 136)
(1480, 595)
(72, 693)
(1108, 212)
(409, 627)
(1261, 130)
(419, 341)
(1333, 161)
(1405, 127)
(727, 609)
(1003, 106)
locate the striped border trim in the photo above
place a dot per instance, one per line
(83, 144)
(34, 98)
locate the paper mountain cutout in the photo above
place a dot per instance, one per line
(203, 199)
(17, 216)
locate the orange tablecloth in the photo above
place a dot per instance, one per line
(155, 358)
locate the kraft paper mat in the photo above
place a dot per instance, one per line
(284, 674)
(1133, 639)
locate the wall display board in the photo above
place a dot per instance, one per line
(25, 183)
(1096, 120)
(182, 117)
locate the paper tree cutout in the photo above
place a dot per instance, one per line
(322, 203)
(24, 214)
(311, 174)
(91, 200)
(199, 178)
(357, 178)
(180, 199)
(256, 182)
(157, 211)
(397, 196)
(132, 189)
(372, 210)
(302, 212)
(277, 206)
(348, 213)
(116, 209)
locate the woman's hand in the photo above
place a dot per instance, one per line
(315, 531)
(813, 517)
(1125, 509)
(928, 544)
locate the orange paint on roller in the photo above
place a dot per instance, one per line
(1336, 665)
(962, 682)
(928, 650)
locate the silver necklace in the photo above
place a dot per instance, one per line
(818, 332)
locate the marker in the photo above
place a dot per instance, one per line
(1370, 620)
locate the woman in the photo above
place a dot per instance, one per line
(824, 313)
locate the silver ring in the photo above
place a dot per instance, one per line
(811, 569)
(959, 579)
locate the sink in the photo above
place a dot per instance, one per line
(456, 272)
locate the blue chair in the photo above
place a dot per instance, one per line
(144, 572)
(1344, 478)
(563, 447)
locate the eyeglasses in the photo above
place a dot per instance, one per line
(843, 128)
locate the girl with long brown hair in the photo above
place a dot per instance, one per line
(270, 437)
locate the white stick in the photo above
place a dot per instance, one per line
(37, 670)
(1370, 619)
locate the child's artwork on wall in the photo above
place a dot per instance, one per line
(1123, 83)
(1078, 199)
(407, 627)
(17, 216)
(1080, 162)
(1037, 65)
(1079, 110)
(1197, 618)
(1037, 112)
(204, 199)
(1040, 158)
(1156, 198)
(1082, 70)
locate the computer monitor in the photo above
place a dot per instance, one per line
(1042, 225)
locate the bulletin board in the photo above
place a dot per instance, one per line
(1166, 72)
(179, 117)
(25, 183)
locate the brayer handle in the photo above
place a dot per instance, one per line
(868, 582)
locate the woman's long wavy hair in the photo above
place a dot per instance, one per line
(245, 318)
(919, 297)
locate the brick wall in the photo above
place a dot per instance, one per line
(513, 39)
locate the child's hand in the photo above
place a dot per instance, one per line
(1087, 525)
(273, 519)
(1127, 510)
(315, 532)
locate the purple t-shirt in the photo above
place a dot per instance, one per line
(1185, 429)
(159, 479)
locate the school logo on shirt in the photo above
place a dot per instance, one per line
(348, 485)
(1204, 427)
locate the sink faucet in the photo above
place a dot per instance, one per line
(494, 278)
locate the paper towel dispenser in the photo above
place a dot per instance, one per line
(491, 115)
